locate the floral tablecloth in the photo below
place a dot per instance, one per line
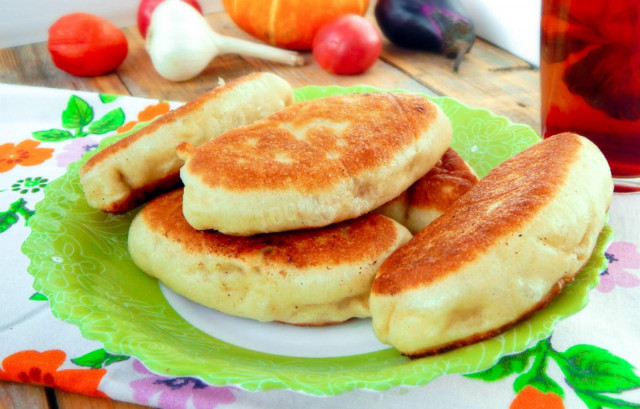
(589, 361)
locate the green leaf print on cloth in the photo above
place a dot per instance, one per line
(38, 297)
(12, 215)
(29, 185)
(98, 359)
(109, 122)
(107, 98)
(77, 121)
(589, 370)
(77, 115)
(53, 135)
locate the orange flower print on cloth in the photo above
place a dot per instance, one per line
(147, 114)
(532, 398)
(42, 368)
(26, 153)
(153, 111)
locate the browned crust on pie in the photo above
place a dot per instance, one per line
(447, 181)
(337, 244)
(308, 146)
(169, 117)
(443, 184)
(499, 204)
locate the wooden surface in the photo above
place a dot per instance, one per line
(489, 78)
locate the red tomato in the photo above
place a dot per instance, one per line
(347, 45)
(146, 7)
(86, 45)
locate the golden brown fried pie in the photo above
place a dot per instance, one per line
(307, 277)
(132, 170)
(432, 194)
(499, 253)
(313, 163)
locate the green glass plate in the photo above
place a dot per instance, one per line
(79, 260)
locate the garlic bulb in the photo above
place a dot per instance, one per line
(181, 43)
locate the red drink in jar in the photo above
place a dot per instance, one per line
(590, 78)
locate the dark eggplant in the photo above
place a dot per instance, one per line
(430, 25)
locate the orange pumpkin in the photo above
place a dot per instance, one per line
(289, 23)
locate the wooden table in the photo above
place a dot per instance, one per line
(488, 77)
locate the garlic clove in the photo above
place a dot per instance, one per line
(179, 41)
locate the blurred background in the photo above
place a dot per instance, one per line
(512, 25)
